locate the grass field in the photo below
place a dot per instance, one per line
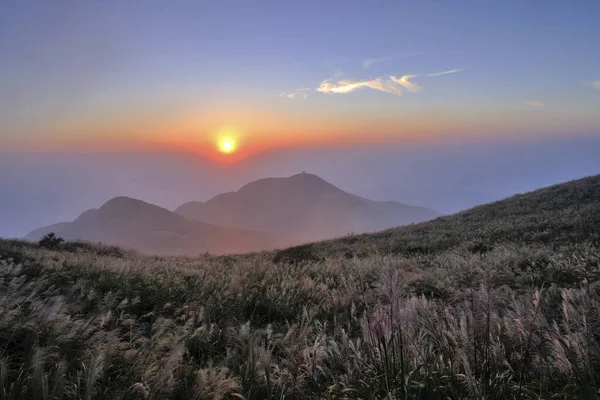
(498, 302)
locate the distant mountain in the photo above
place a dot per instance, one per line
(302, 207)
(148, 228)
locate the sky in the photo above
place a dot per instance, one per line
(361, 92)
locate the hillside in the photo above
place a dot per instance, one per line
(556, 215)
(303, 207)
(148, 228)
(498, 302)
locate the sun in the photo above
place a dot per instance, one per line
(226, 145)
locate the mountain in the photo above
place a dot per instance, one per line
(302, 207)
(133, 223)
(567, 213)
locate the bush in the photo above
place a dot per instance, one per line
(51, 241)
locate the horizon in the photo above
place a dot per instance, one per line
(49, 189)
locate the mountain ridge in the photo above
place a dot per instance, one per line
(146, 227)
(304, 206)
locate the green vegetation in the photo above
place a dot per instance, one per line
(498, 302)
(51, 241)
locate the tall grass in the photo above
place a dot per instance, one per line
(515, 321)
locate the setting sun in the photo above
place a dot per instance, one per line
(226, 145)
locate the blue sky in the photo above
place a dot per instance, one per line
(106, 68)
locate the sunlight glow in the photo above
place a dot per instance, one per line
(226, 145)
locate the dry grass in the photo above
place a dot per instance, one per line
(457, 325)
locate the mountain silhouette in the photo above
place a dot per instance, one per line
(302, 207)
(152, 229)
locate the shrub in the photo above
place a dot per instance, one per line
(51, 241)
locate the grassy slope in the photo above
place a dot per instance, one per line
(559, 214)
(501, 301)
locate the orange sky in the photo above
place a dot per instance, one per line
(258, 129)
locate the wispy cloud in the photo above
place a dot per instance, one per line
(301, 93)
(340, 87)
(370, 61)
(451, 71)
(534, 103)
(392, 84)
(596, 84)
(406, 83)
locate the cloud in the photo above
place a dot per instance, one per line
(301, 93)
(370, 61)
(596, 84)
(534, 103)
(393, 84)
(451, 71)
(406, 83)
(340, 87)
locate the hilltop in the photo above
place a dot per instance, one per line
(262, 215)
(146, 227)
(303, 207)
